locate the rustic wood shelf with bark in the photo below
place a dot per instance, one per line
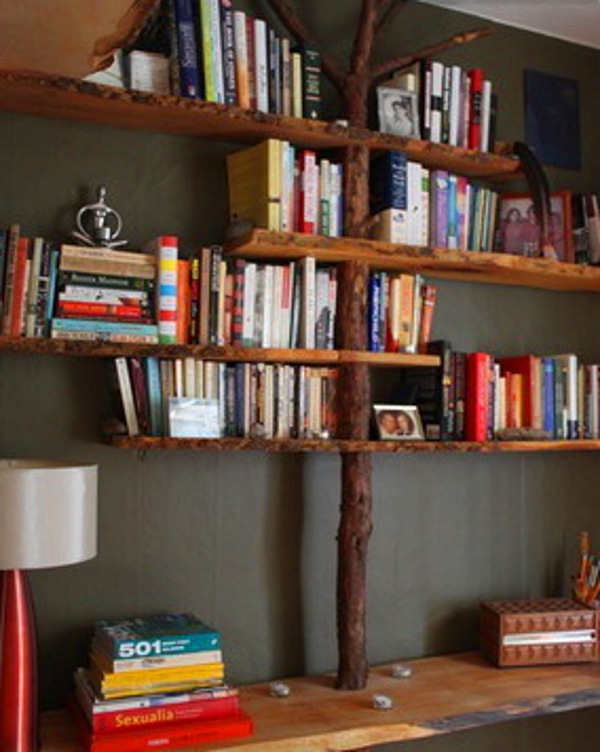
(149, 443)
(99, 349)
(73, 99)
(443, 263)
(445, 695)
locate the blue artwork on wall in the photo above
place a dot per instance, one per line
(552, 119)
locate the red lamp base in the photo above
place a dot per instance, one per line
(18, 664)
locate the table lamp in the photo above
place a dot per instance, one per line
(47, 519)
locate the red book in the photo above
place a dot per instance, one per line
(307, 210)
(529, 366)
(183, 301)
(477, 403)
(17, 305)
(237, 333)
(476, 91)
(194, 299)
(157, 716)
(167, 736)
(82, 310)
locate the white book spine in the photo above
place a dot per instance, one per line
(249, 304)
(455, 105)
(241, 58)
(124, 379)
(307, 331)
(415, 202)
(268, 307)
(437, 85)
(261, 67)
(486, 99)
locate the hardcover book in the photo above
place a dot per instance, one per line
(163, 634)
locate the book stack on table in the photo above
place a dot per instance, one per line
(155, 682)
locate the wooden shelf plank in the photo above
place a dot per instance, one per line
(71, 99)
(340, 445)
(30, 346)
(446, 694)
(493, 268)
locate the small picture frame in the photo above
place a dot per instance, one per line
(398, 423)
(519, 232)
(398, 112)
(191, 418)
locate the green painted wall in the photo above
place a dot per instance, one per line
(247, 540)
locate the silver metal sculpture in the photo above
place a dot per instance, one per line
(98, 224)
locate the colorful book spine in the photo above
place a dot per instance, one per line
(241, 59)
(166, 249)
(208, 51)
(476, 93)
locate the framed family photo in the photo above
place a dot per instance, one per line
(398, 423)
(398, 112)
(519, 231)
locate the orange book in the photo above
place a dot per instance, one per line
(514, 400)
(529, 367)
(407, 292)
(428, 301)
(183, 301)
(17, 309)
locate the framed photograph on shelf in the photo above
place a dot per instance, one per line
(398, 423)
(398, 112)
(519, 232)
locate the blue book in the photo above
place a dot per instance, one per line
(374, 312)
(52, 284)
(452, 238)
(163, 634)
(389, 182)
(188, 49)
(92, 325)
(548, 393)
(154, 395)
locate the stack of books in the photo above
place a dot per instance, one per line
(155, 682)
(103, 294)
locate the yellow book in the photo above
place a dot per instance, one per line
(407, 286)
(113, 693)
(154, 675)
(254, 176)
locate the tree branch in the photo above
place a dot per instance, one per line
(365, 34)
(379, 71)
(331, 68)
(389, 9)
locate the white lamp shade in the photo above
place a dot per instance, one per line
(48, 513)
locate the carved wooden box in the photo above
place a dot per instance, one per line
(534, 632)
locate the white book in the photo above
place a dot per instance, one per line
(416, 314)
(148, 71)
(437, 90)
(240, 41)
(486, 99)
(277, 307)
(330, 338)
(414, 195)
(455, 105)
(325, 198)
(249, 304)
(261, 73)
(126, 389)
(287, 187)
(307, 320)
(322, 308)
(199, 376)
(336, 218)
(594, 406)
(297, 110)
(178, 379)
(269, 400)
(268, 307)
(189, 378)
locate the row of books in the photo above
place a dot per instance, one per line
(279, 187)
(413, 205)
(456, 106)
(585, 213)
(400, 312)
(27, 279)
(191, 398)
(210, 50)
(476, 397)
(156, 681)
